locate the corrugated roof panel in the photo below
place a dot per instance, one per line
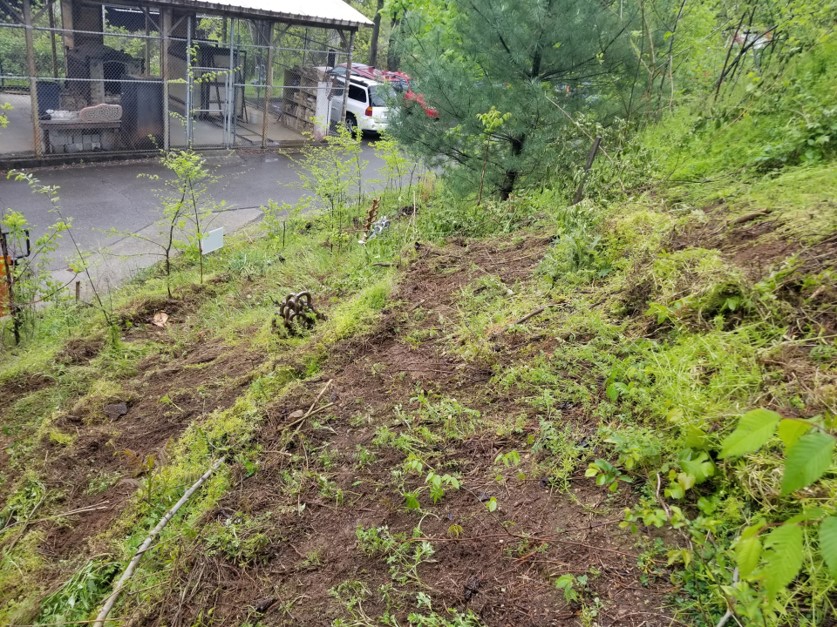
(326, 12)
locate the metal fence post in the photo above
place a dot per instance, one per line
(229, 134)
(189, 82)
(33, 81)
(268, 91)
(165, 33)
(348, 78)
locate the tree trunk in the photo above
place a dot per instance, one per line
(393, 61)
(512, 174)
(376, 34)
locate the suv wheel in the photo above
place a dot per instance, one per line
(351, 125)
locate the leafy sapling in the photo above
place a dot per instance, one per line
(773, 554)
(187, 208)
(80, 265)
(492, 121)
(24, 268)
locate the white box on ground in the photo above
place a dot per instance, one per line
(214, 240)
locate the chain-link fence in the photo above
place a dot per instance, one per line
(142, 83)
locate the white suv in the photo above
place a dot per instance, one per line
(366, 106)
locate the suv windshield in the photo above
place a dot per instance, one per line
(380, 95)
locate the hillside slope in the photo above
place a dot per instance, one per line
(510, 415)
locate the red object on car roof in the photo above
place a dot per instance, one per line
(401, 82)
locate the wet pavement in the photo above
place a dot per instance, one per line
(105, 197)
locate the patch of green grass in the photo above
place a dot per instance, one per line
(485, 307)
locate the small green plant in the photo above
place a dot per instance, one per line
(454, 618)
(240, 538)
(456, 420)
(27, 279)
(101, 481)
(772, 555)
(313, 559)
(606, 474)
(396, 163)
(329, 490)
(570, 584)
(351, 594)
(4, 118)
(576, 592)
(507, 461)
(557, 448)
(24, 502)
(492, 121)
(363, 456)
(80, 595)
(331, 172)
(403, 555)
(434, 483)
(46, 244)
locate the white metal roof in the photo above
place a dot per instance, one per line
(309, 12)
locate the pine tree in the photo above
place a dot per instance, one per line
(471, 57)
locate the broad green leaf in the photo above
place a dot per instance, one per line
(807, 514)
(686, 480)
(828, 544)
(791, 430)
(754, 429)
(675, 491)
(694, 437)
(411, 501)
(807, 461)
(782, 557)
(747, 554)
(701, 467)
(753, 530)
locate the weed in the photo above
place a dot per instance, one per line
(313, 559)
(364, 457)
(329, 490)
(351, 595)
(456, 421)
(101, 481)
(606, 474)
(240, 538)
(403, 555)
(80, 595)
(453, 618)
(23, 503)
(557, 448)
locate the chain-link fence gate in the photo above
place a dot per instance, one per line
(121, 79)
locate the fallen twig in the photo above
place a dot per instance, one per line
(528, 317)
(729, 614)
(525, 318)
(751, 216)
(26, 524)
(311, 411)
(82, 510)
(132, 565)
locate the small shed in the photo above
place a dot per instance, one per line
(130, 76)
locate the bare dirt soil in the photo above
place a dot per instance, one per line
(500, 564)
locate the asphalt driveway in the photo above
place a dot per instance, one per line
(102, 197)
